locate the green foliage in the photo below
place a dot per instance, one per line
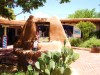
(17, 73)
(20, 73)
(97, 15)
(83, 13)
(75, 41)
(26, 5)
(5, 74)
(86, 28)
(91, 42)
(96, 34)
(55, 63)
(31, 71)
(7, 12)
(64, 1)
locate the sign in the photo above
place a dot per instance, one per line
(76, 32)
(4, 42)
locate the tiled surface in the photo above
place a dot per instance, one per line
(88, 63)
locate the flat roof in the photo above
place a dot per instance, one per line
(12, 22)
(75, 20)
(68, 20)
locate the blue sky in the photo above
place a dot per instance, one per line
(53, 8)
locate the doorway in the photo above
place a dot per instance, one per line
(11, 35)
(43, 31)
(1, 34)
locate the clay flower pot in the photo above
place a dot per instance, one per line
(95, 49)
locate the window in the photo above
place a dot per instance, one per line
(68, 30)
(43, 31)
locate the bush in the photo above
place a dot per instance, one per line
(75, 41)
(96, 34)
(86, 28)
(56, 63)
(91, 42)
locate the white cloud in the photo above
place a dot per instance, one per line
(41, 15)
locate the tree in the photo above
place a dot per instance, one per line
(84, 13)
(4, 13)
(97, 14)
(86, 28)
(6, 6)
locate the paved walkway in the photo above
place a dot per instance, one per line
(88, 63)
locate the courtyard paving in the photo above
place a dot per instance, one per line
(88, 63)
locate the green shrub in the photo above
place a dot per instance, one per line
(17, 73)
(96, 34)
(91, 42)
(56, 63)
(86, 28)
(75, 41)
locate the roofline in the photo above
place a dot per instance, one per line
(74, 20)
(12, 22)
(68, 20)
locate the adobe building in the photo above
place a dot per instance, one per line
(49, 28)
(50, 31)
(96, 21)
(10, 28)
(74, 21)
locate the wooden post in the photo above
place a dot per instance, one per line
(16, 30)
(5, 30)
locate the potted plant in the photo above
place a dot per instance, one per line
(92, 43)
(95, 49)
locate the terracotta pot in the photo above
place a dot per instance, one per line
(95, 50)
